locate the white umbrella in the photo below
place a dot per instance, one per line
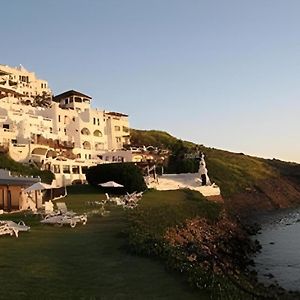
(111, 184)
(38, 186)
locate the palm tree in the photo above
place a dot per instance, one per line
(43, 100)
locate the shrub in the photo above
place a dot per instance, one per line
(127, 174)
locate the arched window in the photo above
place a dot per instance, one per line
(98, 133)
(85, 131)
(86, 145)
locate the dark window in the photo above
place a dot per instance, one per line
(75, 169)
(56, 169)
(66, 169)
(84, 169)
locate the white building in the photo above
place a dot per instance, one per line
(66, 136)
(22, 81)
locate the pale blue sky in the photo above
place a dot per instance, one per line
(221, 73)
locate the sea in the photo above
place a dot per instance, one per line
(279, 258)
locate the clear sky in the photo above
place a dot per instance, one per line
(221, 73)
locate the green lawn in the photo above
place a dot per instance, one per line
(88, 262)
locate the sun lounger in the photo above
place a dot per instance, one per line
(62, 208)
(126, 201)
(10, 227)
(65, 219)
(4, 229)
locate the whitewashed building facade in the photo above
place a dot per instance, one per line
(66, 135)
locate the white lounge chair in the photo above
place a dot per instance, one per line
(63, 216)
(62, 208)
(4, 229)
(65, 219)
(11, 227)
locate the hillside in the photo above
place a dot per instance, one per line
(21, 169)
(247, 183)
(155, 138)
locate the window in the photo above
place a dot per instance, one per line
(78, 155)
(51, 130)
(86, 145)
(6, 126)
(84, 169)
(59, 118)
(85, 131)
(118, 139)
(98, 133)
(56, 169)
(66, 120)
(117, 128)
(66, 169)
(77, 99)
(94, 121)
(125, 129)
(75, 169)
(98, 121)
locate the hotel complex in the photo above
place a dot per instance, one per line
(61, 133)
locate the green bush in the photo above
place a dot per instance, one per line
(127, 174)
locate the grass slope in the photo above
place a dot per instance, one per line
(234, 172)
(160, 210)
(155, 138)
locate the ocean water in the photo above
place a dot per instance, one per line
(279, 259)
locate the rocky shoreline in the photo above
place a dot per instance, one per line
(213, 250)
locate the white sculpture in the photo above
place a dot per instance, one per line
(203, 171)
